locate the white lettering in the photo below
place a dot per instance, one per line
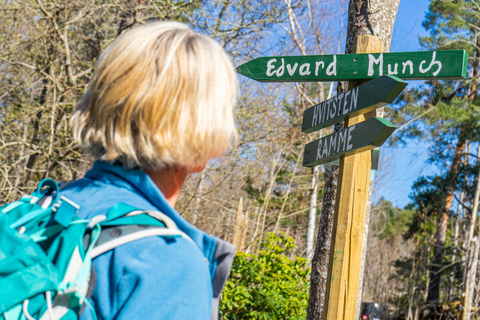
(336, 104)
(333, 141)
(340, 97)
(305, 69)
(372, 61)
(345, 111)
(317, 65)
(395, 69)
(342, 139)
(320, 111)
(319, 148)
(270, 67)
(315, 116)
(291, 71)
(350, 129)
(432, 63)
(409, 64)
(281, 70)
(325, 149)
(354, 99)
(332, 108)
(325, 113)
(332, 67)
(327, 107)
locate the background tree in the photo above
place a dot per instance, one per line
(448, 114)
(48, 52)
(386, 246)
(364, 18)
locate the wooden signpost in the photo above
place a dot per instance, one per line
(352, 145)
(364, 136)
(440, 64)
(375, 160)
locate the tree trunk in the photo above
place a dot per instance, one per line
(36, 125)
(476, 199)
(469, 280)
(441, 232)
(245, 230)
(268, 194)
(312, 214)
(239, 225)
(373, 17)
(451, 290)
(254, 236)
(199, 194)
(318, 277)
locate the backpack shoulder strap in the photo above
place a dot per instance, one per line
(113, 236)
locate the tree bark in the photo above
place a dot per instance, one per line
(476, 200)
(455, 237)
(239, 225)
(318, 277)
(455, 251)
(36, 128)
(469, 280)
(312, 214)
(472, 261)
(245, 230)
(373, 17)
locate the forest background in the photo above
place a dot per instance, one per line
(259, 196)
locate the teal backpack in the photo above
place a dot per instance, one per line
(46, 251)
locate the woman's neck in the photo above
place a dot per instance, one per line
(169, 181)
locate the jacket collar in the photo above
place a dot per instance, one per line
(140, 183)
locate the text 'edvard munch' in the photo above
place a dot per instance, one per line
(440, 64)
(375, 66)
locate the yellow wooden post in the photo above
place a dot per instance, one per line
(349, 219)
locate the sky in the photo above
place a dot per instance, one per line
(401, 166)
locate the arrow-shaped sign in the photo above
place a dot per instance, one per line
(366, 135)
(440, 64)
(364, 98)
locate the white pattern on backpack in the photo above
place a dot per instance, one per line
(61, 303)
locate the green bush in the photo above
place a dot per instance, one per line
(268, 285)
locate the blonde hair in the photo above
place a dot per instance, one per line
(161, 95)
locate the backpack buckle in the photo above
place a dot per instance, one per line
(96, 220)
(65, 212)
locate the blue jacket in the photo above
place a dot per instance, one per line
(150, 278)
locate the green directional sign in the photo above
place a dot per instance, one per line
(364, 98)
(440, 64)
(366, 135)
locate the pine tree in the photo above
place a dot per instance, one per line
(448, 110)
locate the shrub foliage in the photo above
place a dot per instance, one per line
(267, 285)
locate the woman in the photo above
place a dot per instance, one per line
(160, 105)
